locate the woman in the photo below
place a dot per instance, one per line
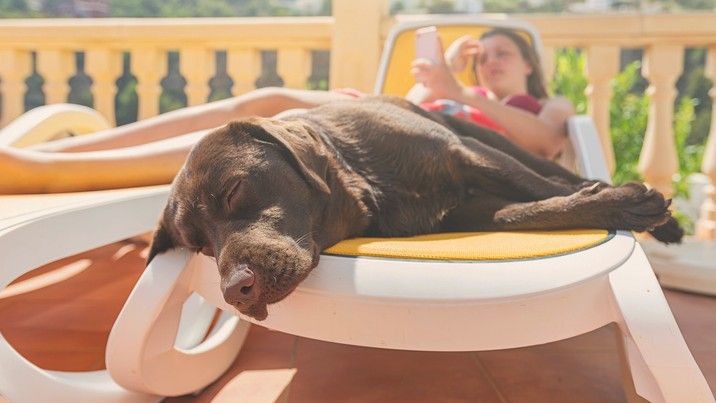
(512, 98)
(152, 151)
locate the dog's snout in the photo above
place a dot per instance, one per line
(240, 287)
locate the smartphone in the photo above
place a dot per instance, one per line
(426, 44)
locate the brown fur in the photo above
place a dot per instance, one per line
(377, 166)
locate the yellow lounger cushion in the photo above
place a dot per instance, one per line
(473, 245)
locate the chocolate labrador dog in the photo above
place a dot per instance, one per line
(266, 196)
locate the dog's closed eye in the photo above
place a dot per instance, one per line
(234, 195)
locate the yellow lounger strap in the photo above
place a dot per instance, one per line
(473, 245)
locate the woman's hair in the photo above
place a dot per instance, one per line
(535, 81)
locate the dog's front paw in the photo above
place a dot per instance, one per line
(628, 207)
(669, 232)
(641, 209)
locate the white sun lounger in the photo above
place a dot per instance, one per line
(411, 304)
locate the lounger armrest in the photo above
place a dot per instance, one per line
(587, 148)
(85, 221)
(51, 122)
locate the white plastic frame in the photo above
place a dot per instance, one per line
(63, 225)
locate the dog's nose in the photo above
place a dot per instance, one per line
(240, 287)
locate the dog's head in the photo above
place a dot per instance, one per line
(251, 195)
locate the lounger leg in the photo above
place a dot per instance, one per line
(146, 351)
(656, 355)
(22, 381)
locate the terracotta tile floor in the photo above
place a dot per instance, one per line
(65, 326)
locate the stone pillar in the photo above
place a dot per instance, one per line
(197, 65)
(706, 224)
(244, 67)
(294, 67)
(15, 67)
(56, 66)
(658, 161)
(357, 43)
(104, 67)
(149, 65)
(602, 66)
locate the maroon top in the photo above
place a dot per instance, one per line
(526, 102)
(523, 101)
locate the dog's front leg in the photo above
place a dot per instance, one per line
(628, 207)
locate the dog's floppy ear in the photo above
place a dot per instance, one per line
(161, 242)
(301, 148)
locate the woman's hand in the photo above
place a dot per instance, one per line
(437, 79)
(461, 51)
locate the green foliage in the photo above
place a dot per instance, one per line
(15, 9)
(680, 5)
(524, 6)
(440, 6)
(200, 8)
(694, 85)
(628, 114)
(690, 155)
(321, 84)
(628, 111)
(569, 81)
(503, 6)
(127, 101)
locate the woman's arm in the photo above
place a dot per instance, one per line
(261, 102)
(543, 134)
(30, 171)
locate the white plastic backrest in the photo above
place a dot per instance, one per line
(49, 122)
(587, 148)
(493, 21)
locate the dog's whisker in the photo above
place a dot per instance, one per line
(302, 238)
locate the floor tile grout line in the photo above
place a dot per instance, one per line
(490, 379)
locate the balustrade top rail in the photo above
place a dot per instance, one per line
(623, 29)
(269, 32)
(632, 29)
(693, 29)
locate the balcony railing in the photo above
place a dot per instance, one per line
(354, 35)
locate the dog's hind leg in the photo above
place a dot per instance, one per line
(627, 207)
(491, 170)
(492, 139)
(492, 162)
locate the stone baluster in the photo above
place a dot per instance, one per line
(706, 224)
(56, 66)
(294, 67)
(149, 65)
(197, 65)
(602, 66)
(15, 67)
(357, 43)
(658, 161)
(244, 67)
(104, 66)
